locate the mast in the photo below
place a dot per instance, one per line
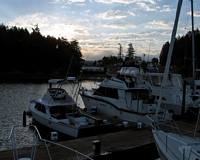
(193, 42)
(169, 55)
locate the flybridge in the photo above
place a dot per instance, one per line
(129, 71)
(92, 69)
(59, 81)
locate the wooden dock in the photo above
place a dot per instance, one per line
(120, 140)
(124, 140)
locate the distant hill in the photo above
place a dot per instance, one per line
(30, 55)
(182, 54)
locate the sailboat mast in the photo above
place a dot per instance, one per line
(193, 41)
(169, 55)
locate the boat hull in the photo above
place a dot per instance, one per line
(173, 146)
(55, 125)
(111, 110)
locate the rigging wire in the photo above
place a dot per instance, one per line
(197, 123)
(186, 18)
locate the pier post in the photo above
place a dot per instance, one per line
(97, 147)
(24, 119)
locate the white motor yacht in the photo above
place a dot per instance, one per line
(121, 99)
(58, 111)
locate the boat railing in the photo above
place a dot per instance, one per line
(174, 127)
(165, 140)
(40, 148)
(193, 153)
(166, 148)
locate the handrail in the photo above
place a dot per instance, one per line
(168, 149)
(47, 141)
(194, 153)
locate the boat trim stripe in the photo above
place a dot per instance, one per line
(120, 109)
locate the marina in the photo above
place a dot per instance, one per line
(110, 142)
(131, 141)
(69, 90)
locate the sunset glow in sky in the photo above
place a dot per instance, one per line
(100, 25)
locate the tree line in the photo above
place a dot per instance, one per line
(182, 54)
(31, 54)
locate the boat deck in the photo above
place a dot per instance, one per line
(182, 127)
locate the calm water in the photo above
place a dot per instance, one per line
(15, 98)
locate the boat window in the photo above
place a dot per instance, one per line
(134, 96)
(61, 112)
(197, 87)
(156, 81)
(107, 92)
(143, 95)
(100, 91)
(40, 108)
(130, 81)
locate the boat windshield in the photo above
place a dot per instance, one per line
(60, 112)
(143, 95)
(107, 92)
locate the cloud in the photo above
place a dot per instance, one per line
(50, 25)
(125, 1)
(147, 6)
(118, 26)
(166, 8)
(114, 14)
(196, 13)
(158, 25)
(106, 44)
(67, 1)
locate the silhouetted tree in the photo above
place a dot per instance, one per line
(131, 51)
(182, 53)
(155, 61)
(33, 54)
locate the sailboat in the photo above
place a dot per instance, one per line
(174, 146)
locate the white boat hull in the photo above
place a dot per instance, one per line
(109, 109)
(55, 125)
(175, 147)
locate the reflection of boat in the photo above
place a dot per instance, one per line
(120, 99)
(175, 146)
(58, 111)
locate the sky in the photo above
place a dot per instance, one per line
(100, 25)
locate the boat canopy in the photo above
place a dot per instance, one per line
(129, 71)
(55, 97)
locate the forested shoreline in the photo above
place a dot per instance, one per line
(182, 54)
(32, 57)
